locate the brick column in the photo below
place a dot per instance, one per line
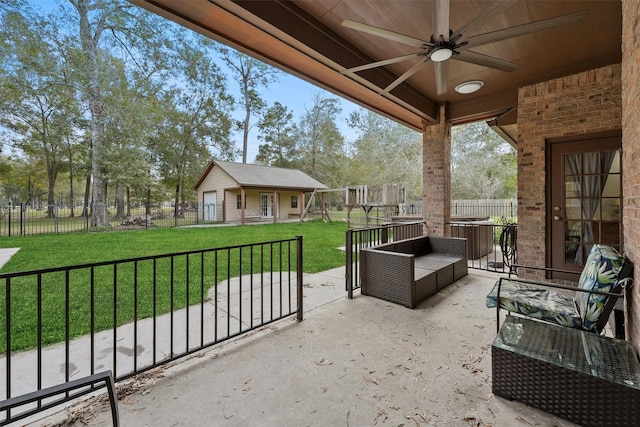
(436, 176)
(631, 157)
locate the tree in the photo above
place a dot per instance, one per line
(251, 75)
(278, 134)
(196, 122)
(483, 165)
(38, 107)
(320, 143)
(102, 24)
(385, 152)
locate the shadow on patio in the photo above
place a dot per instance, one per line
(359, 362)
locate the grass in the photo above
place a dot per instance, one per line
(180, 277)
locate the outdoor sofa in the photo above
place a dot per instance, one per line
(409, 271)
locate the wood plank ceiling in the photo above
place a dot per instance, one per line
(306, 38)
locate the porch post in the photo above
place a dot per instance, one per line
(301, 204)
(436, 176)
(242, 205)
(276, 206)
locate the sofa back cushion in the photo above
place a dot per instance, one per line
(607, 271)
(404, 247)
(422, 246)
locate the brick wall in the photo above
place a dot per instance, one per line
(436, 187)
(631, 155)
(580, 104)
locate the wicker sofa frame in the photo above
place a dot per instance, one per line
(409, 271)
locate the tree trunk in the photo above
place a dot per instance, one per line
(245, 132)
(87, 194)
(128, 202)
(148, 204)
(120, 202)
(99, 216)
(176, 200)
(51, 199)
(71, 195)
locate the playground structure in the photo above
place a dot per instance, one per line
(391, 198)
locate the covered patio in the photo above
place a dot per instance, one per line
(551, 77)
(359, 362)
(365, 361)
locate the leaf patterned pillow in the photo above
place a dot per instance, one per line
(602, 272)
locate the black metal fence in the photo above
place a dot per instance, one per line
(26, 220)
(356, 240)
(490, 246)
(129, 316)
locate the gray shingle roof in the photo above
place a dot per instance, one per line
(266, 176)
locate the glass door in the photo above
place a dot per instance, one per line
(585, 200)
(266, 205)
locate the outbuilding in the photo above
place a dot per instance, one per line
(238, 192)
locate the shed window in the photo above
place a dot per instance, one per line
(294, 201)
(239, 201)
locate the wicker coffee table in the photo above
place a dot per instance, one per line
(580, 376)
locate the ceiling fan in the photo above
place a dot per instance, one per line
(446, 44)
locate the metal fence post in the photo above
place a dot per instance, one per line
(55, 219)
(300, 315)
(175, 214)
(349, 263)
(85, 214)
(22, 225)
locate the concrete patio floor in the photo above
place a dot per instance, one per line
(360, 362)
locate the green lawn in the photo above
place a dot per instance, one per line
(321, 243)
(180, 278)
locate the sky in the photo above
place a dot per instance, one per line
(296, 94)
(292, 92)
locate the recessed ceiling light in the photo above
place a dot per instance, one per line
(469, 87)
(441, 54)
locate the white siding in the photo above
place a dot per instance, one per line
(217, 180)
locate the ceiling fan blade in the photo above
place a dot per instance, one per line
(405, 76)
(470, 27)
(484, 60)
(387, 34)
(519, 30)
(381, 63)
(441, 20)
(442, 74)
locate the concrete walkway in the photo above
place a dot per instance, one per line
(360, 362)
(6, 254)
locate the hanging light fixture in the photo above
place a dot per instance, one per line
(441, 54)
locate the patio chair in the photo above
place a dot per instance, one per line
(605, 276)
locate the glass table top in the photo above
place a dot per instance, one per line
(586, 352)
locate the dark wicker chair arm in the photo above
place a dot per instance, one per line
(514, 267)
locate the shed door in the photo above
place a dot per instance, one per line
(209, 206)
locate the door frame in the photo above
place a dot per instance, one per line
(592, 142)
(215, 213)
(270, 202)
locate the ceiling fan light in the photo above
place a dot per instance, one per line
(469, 87)
(441, 54)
